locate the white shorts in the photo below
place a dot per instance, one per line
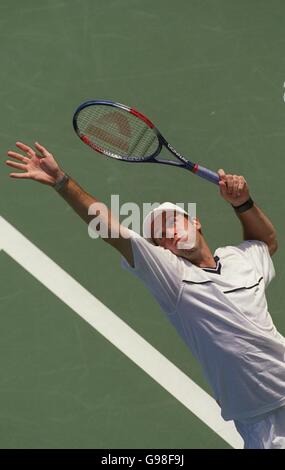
(266, 433)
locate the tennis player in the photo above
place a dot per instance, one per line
(216, 301)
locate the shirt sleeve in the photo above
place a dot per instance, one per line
(159, 269)
(258, 255)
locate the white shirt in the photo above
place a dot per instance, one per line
(223, 317)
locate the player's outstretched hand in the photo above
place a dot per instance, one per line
(233, 188)
(38, 165)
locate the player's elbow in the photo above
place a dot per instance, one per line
(272, 245)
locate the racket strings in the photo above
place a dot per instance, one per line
(117, 131)
(141, 144)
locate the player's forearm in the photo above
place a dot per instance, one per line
(99, 217)
(89, 208)
(257, 226)
(78, 199)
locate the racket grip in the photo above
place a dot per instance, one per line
(208, 175)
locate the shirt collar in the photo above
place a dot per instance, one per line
(194, 274)
(217, 269)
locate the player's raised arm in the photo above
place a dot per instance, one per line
(256, 225)
(40, 165)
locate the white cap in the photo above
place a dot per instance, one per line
(152, 215)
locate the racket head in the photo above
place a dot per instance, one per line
(117, 131)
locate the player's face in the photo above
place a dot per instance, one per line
(175, 232)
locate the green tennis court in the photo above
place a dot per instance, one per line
(210, 73)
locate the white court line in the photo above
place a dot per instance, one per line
(115, 330)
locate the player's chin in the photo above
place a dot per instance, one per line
(186, 252)
(188, 246)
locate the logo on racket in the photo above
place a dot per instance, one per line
(118, 125)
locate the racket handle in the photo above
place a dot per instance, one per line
(208, 175)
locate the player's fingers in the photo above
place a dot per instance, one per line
(19, 166)
(241, 185)
(221, 174)
(26, 148)
(18, 156)
(235, 185)
(229, 182)
(42, 149)
(223, 187)
(19, 175)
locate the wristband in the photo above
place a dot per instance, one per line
(61, 182)
(244, 207)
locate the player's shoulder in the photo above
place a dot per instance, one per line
(150, 250)
(243, 249)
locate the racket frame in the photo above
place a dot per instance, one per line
(162, 142)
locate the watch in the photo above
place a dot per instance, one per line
(61, 182)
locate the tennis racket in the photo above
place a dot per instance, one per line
(121, 132)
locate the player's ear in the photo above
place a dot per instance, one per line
(197, 224)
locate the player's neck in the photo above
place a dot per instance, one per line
(203, 257)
